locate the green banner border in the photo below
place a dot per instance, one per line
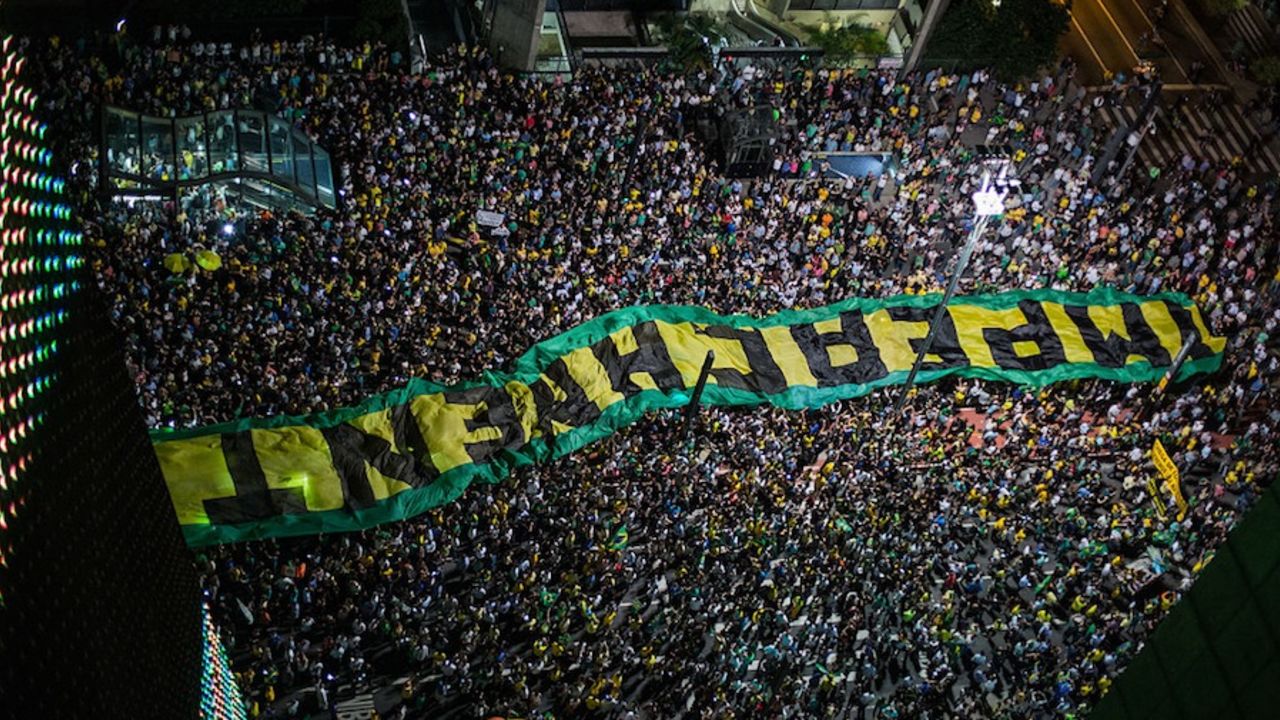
(527, 368)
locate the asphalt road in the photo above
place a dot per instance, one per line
(1116, 35)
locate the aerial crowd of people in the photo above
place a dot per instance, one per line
(992, 551)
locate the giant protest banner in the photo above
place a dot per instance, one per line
(401, 453)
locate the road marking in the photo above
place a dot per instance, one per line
(1263, 156)
(1148, 147)
(1189, 118)
(1142, 11)
(1241, 22)
(1171, 139)
(1154, 148)
(1178, 87)
(1235, 145)
(1221, 135)
(1229, 136)
(1092, 49)
(1119, 32)
(360, 707)
(1200, 125)
(1167, 87)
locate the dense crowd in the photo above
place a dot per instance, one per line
(994, 552)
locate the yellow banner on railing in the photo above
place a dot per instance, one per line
(1169, 471)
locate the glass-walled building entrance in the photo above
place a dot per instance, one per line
(257, 156)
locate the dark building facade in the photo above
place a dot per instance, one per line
(100, 612)
(1217, 654)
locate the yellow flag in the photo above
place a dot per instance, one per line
(1169, 471)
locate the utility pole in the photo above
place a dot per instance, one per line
(691, 409)
(1122, 133)
(988, 202)
(1142, 124)
(1109, 152)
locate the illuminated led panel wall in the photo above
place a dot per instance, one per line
(99, 603)
(220, 697)
(36, 259)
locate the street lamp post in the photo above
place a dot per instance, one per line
(1139, 125)
(692, 409)
(988, 202)
(1142, 125)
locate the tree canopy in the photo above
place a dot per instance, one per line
(1016, 38)
(848, 43)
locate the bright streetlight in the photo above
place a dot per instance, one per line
(988, 202)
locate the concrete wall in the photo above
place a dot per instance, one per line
(517, 29)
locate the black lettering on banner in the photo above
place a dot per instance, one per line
(1187, 328)
(1114, 351)
(354, 451)
(766, 377)
(1031, 346)
(853, 332)
(497, 411)
(946, 344)
(409, 440)
(253, 499)
(650, 356)
(575, 410)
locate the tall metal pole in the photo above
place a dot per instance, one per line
(1142, 124)
(1122, 133)
(692, 408)
(979, 226)
(1109, 152)
(988, 203)
(1177, 364)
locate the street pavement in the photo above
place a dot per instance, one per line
(1249, 26)
(1109, 37)
(1218, 133)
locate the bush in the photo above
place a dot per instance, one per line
(683, 36)
(1266, 69)
(842, 45)
(1017, 39)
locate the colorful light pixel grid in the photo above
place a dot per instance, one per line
(219, 694)
(39, 253)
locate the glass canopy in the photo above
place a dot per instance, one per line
(144, 155)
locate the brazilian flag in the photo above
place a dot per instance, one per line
(620, 538)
